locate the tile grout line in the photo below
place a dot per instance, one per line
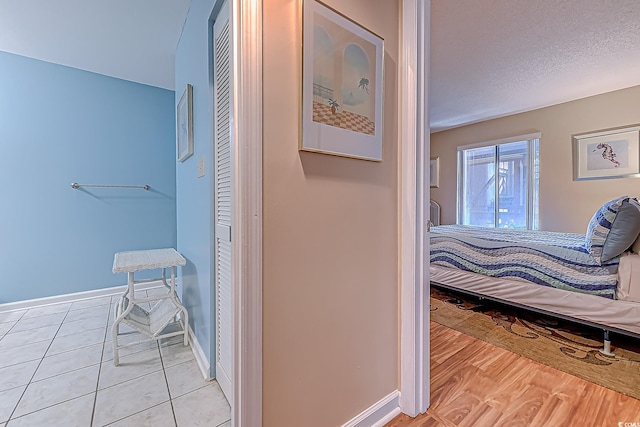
(130, 379)
(47, 407)
(164, 372)
(63, 373)
(44, 357)
(104, 343)
(84, 330)
(102, 360)
(165, 378)
(145, 409)
(207, 383)
(37, 367)
(135, 413)
(19, 319)
(77, 348)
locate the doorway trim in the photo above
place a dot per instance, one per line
(246, 16)
(414, 158)
(414, 340)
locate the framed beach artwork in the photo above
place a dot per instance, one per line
(342, 76)
(184, 124)
(613, 153)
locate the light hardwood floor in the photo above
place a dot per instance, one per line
(477, 384)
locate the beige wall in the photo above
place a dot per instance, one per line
(565, 205)
(330, 243)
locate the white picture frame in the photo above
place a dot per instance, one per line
(342, 81)
(184, 125)
(613, 153)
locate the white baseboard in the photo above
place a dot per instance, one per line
(378, 414)
(57, 299)
(201, 359)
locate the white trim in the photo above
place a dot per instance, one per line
(378, 414)
(57, 299)
(532, 154)
(198, 353)
(246, 16)
(517, 138)
(413, 193)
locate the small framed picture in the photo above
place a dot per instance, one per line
(434, 172)
(342, 80)
(184, 124)
(613, 153)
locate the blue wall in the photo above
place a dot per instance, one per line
(195, 195)
(60, 125)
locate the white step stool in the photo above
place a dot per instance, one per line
(167, 307)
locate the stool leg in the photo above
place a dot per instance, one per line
(114, 334)
(185, 319)
(129, 293)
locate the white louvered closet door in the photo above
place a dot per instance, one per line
(223, 110)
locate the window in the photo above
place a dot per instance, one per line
(498, 183)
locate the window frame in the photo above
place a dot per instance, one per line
(533, 140)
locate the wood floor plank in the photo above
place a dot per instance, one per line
(522, 410)
(475, 384)
(457, 409)
(553, 412)
(485, 411)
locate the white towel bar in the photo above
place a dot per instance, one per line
(76, 186)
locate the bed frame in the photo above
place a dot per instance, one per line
(467, 283)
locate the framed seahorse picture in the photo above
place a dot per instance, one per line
(612, 153)
(342, 80)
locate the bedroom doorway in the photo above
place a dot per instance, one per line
(414, 213)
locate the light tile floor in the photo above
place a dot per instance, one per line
(56, 369)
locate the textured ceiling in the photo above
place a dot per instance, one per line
(491, 58)
(129, 39)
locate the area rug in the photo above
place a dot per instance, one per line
(566, 346)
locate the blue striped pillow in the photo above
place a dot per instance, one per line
(600, 226)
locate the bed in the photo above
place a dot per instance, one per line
(583, 278)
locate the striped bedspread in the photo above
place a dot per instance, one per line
(559, 260)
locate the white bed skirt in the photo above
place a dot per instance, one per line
(624, 315)
(629, 278)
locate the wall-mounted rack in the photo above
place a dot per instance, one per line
(75, 185)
